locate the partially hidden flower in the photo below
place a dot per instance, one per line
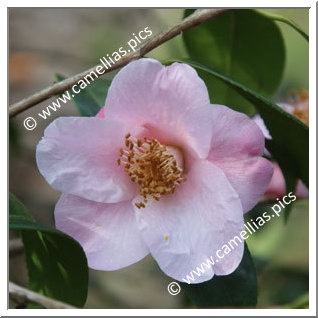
(277, 186)
(160, 170)
(298, 105)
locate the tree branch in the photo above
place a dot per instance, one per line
(22, 295)
(197, 18)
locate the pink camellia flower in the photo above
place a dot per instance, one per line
(161, 171)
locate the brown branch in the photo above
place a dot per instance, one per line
(198, 17)
(23, 296)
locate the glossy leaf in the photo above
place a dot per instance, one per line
(280, 18)
(90, 99)
(290, 136)
(56, 263)
(241, 44)
(238, 289)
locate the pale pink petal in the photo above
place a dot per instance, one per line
(236, 145)
(235, 136)
(107, 232)
(184, 229)
(78, 155)
(170, 101)
(260, 123)
(277, 186)
(302, 191)
(287, 107)
(249, 177)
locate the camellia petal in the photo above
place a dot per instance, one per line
(78, 155)
(184, 229)
(249, 177)
(235, 136)
(260, 123)
(171, 101)
(236, 145)
(107, 232)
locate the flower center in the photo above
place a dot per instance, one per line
(152, 165)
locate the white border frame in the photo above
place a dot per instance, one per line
(175, 312)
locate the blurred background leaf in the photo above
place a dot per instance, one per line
(14, 141)
(238, 289)
(300, 302)
(241, 44)
(280, 18)
(90, 100)
(57, 265)
(280, 253)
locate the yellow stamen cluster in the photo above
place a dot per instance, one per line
(152, 166)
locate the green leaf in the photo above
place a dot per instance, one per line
(290, 135)
(90, 99)
(14, 138)
(257, 211)
(33, 306)
(18, 210)
(238, 289)
(56, 263)
(299, 303)
(243, 45)
(276, 17)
